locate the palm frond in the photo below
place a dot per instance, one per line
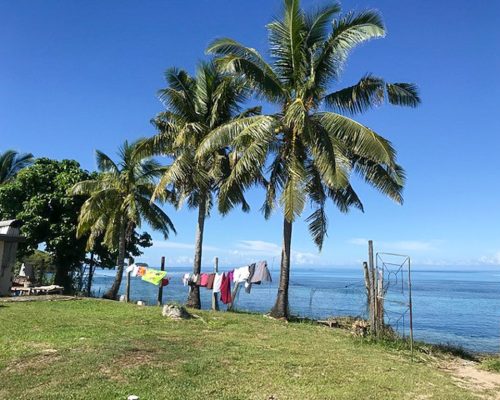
(403, 94)
(356, 99)
(358, 138)
(236, 58)
(388, 180)
(348, 32)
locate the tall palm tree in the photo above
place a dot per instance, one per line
(11, 162)
(195, 107)
(119, 200)
(311, 145)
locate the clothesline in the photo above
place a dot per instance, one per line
(253, 274)
(151, 275)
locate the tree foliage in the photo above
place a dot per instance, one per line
(38, 196)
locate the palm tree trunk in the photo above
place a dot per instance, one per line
(194, 300)
(112, 293)
(91, 274)
(280, 309)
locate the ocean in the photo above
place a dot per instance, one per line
(450, 306)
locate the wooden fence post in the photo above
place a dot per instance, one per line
(234, 294)
(380, 303)
(160, 289)
(373, 292)
(367, 285)
(215, 301)
(127, 288)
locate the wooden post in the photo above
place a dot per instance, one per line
(373, 292)
(215, 301)
(367, 285)
(91, 274)
(127, 288)
(380, 303)
(160, 289)
(234, 294)
(410, 305)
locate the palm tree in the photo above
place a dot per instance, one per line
(311, 145)
(195, 107)
(119, 200)
(11, 162)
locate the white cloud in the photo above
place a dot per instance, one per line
(491, 259)
(167, 244)
(401, 245)
(249, 248)
(257, 247)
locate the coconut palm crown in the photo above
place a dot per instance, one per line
(119, 201)
(311, 146)
(195, 107)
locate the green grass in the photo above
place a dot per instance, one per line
(90, 349)
(491, 364)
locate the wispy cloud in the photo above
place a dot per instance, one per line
(249, 248)
(167, 244)
(493, 259)
(400, 245)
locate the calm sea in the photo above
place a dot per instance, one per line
(459, 307)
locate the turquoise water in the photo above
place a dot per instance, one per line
(459, 307)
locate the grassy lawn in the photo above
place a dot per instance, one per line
(90, 349)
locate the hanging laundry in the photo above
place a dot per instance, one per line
(241, 274)
(165, 282)
(193, 278)
(261, 274)
(141, 271)
(225, 289)
(154, 276)
(130, 268)
(134, 271)
(203, 280)
(230, 275)
(210, 281)
(217, 283)
(248, 283)
(186, 278)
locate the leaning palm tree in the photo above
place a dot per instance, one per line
(119, 200)
(11, 162)
(311, 146)
(195, 107)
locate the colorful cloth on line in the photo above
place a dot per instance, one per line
(225, 289)
(154, 276)
(203, 279)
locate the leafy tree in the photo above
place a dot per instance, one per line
(119, 199)
(311, 145)
(11, 162)
(38, 197)
(195, 107)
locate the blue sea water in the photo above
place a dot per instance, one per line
(459, 307)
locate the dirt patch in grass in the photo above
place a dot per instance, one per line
(132, 358)
(34, 362)
(468, 375)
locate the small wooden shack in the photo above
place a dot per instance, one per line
(9, 239)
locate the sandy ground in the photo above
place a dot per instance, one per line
(467, 374)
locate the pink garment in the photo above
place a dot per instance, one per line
(230, 275)
(204, 280)
(225, 289)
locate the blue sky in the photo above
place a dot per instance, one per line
(76, 76)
